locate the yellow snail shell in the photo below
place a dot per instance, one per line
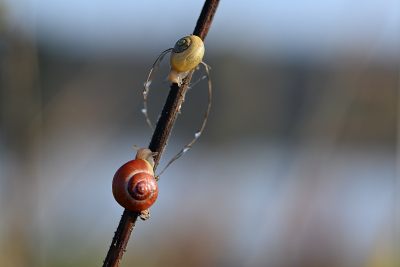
(186, 55)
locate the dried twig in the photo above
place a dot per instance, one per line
(159, 139)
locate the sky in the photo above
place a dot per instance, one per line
(284, 28)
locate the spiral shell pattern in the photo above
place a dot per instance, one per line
(187, 53)
(134, 186)
(182, 44)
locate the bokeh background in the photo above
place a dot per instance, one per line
(296, 166)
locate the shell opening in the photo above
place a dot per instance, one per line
(177, 76)
(145, 154)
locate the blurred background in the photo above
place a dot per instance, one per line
(297, 163)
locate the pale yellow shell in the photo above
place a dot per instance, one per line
(188, 52)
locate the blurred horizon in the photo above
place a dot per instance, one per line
(312, 30)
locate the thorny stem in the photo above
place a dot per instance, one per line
(159, 139)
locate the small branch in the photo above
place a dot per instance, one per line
(159, 139)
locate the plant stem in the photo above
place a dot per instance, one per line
(159, 139)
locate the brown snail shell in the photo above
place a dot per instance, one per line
(134, 186)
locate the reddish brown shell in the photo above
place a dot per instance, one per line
(134, 186)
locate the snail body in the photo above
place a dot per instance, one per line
(134, 186)
(186, 55)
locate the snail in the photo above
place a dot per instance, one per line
(134, 186)
(186, 55)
